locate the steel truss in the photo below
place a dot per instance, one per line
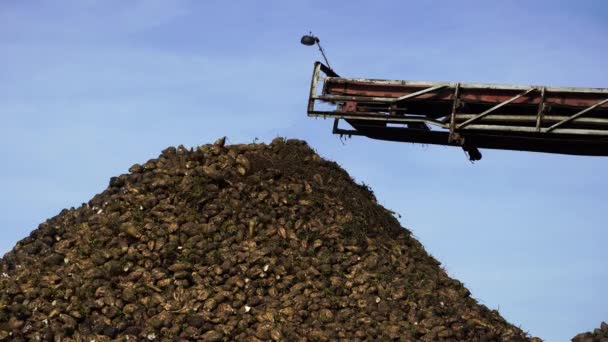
(527, 118)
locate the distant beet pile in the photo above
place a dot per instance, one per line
(242, 242)
(598, 335)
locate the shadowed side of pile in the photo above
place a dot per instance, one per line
(240, 242)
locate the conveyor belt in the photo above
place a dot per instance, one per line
(524, 118)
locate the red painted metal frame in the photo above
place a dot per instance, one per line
(572, 97)
(526, 118)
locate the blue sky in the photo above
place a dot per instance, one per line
(88, 88)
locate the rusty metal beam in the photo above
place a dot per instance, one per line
(575, 116)
(472, 93)
(472, 111)
(376, 117)
(489, 111)
(369, 99)
(455, 105)
(523, 129)
(418, 93)
(541, 110)
(529, 119)
(463, 85)
(488, 139)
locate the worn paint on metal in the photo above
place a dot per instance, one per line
(530, 118)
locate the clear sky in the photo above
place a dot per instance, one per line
(88, 88)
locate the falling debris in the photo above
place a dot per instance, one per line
(254, 242)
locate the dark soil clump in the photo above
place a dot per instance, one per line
(241, 242)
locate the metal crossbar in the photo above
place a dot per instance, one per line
(418, 93)
(579, 114)
(489, 111)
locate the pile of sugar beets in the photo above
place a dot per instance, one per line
(598, 335)
(242, 242)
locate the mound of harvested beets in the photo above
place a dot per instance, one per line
(241, 242)
(598, 335)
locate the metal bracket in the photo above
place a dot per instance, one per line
(489, 111)
(455, 106)
(541, 109)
